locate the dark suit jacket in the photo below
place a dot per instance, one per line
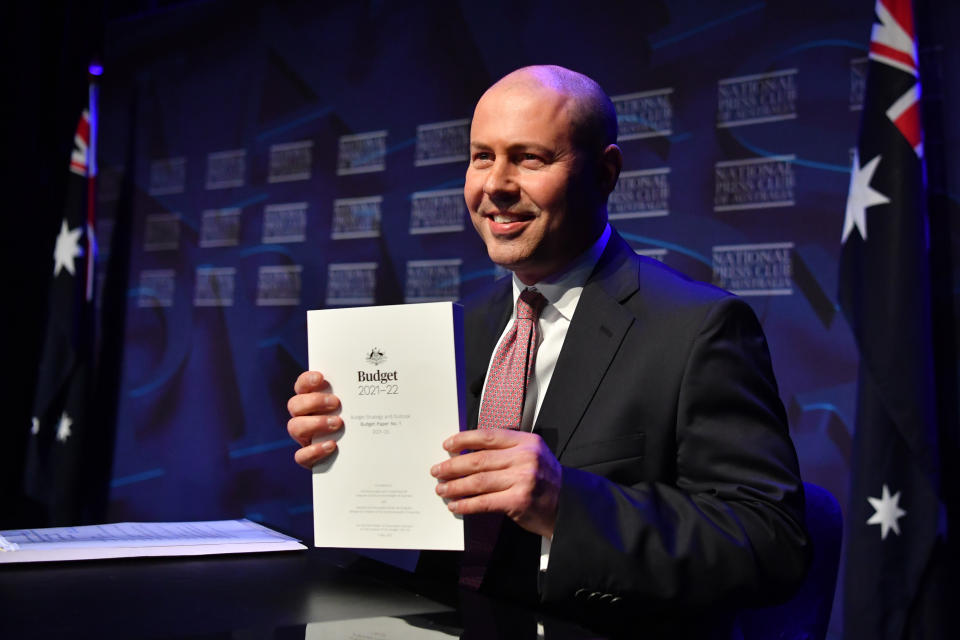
(680, 482)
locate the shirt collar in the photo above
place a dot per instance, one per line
(562, 290)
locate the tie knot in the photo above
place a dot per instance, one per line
(529, 305)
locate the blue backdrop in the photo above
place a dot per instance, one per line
(293, 157)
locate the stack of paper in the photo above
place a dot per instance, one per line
(134, 539)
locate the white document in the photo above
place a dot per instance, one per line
(136, 539)
(398, 371)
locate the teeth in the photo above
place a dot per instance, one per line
(502, 219)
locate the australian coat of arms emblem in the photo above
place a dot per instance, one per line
(375, 356)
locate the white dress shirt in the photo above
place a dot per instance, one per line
(562, 292)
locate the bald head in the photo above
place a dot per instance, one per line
(543, 161)
(592, 115)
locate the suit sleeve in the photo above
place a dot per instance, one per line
(728, 529)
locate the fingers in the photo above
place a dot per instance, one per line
(512, 503)
(313, 453)
(311, 403)
(476, 462)
(310, 395)
(485, 439)
(488, 482)
(501, 471)
(310, 418)
(487, 450)
(304, 429)
(309, 381)
(525, 497)
(484, 472)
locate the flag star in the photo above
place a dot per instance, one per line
(63, 427)
(887, 512)
(67, 249)
(861, 196)
(35, 425)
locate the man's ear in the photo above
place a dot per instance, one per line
(611, 161)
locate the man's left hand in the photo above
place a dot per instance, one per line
(509, 472)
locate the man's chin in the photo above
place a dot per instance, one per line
(522, 268)
(503, 263)
(505, 253)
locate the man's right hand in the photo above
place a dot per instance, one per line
(312, 413)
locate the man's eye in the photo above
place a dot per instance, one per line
(531, 159)
(482, 156)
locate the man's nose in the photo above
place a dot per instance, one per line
(501, 181)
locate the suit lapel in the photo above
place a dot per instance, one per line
(594, 337)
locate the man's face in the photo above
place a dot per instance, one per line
(529, 196)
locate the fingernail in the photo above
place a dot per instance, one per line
(442, 489)
(448, 443)
(435, 470)
(314, 379)
(452, 506)
(330, 402)
(327, 446)
(332, 423)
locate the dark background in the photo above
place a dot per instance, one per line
(200, 391)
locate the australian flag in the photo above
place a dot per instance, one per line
(56, 479)
(895, 516)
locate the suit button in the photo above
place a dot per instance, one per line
(581, 594)
(594, 595)
(606, 598)
(615, 600)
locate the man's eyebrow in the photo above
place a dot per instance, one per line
(532, 146)
(516, 147)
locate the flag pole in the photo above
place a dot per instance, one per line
(95, 70)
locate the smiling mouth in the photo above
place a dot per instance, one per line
(509, 218)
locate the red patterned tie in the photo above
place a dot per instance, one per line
(511, 367)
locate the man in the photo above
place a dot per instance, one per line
(659, 473)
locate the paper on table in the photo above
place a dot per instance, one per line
(398, 373)
(135, 539)
(382, 628)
